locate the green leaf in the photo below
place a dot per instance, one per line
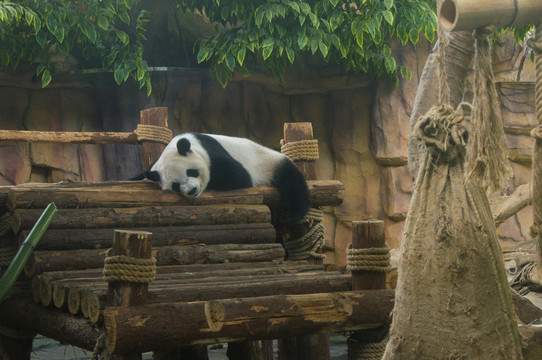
(334, 2)
(103, 22)
(323, 48)
(301, 20)
(258, 16)
(388, 16)
(268, 42)
(204, 53)
(269, 15)
(314, 46)
(45, 78)
(294, 6)
(41, 37)
(124, 17)
(118, 76)
(123, 37)
(129, 3)
(241, 56)
(414, 35)
(336, 41)
(335, 20)
(291, 55)
(390, 64)
(302, 40)
(305, 8)
(314, 20)
(388, 4)
(230, 62)
(267, 52)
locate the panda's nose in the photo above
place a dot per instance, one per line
(193, 191)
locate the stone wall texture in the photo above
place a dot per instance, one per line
(362, 128)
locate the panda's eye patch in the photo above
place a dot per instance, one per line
(192, 172)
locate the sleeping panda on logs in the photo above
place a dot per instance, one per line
(194, 162)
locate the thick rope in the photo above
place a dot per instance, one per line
(487, 152)
(153, 133)
(130, 269)
(308, 245)
(306, 150)
(366, 351)
(444, 89)
(6, 255)
(5, 223)
(369, 259)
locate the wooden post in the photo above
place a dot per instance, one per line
(151, 151)
(136, 244)
(368, 234)
(309, 347)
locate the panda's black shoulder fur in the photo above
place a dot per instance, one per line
(226, 172)
(293, 190)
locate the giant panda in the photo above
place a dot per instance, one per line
(194, 162)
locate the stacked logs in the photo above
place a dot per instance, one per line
(231, 228)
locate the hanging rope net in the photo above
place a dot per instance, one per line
(452, 298)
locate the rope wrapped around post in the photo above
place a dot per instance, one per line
(306, 150)
(369, 259)
(309, 244)
(153, 133)
(126, 268)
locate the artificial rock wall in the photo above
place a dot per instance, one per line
(362, 128)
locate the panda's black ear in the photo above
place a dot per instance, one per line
(183, 146)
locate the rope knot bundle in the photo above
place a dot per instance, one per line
(369, 259)
(300, 150)
(126, 268)
(307, 246)
(153, 133)
(537, 132)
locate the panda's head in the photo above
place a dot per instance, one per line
(182, 167)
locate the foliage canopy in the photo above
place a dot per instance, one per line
(110, 34)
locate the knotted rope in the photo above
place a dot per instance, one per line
(6, 255)
(307, 246)
(487, 152)
(366, 351)
(153, 133)
(300, 150)
(369, 259)
(535, 43)
(5, 223)
(126, 268)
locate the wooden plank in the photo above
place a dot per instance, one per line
(69, 137)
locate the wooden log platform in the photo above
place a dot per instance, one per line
(70, 239)
(123, 194)
(95, 218)
(265, 317)
(44, 261)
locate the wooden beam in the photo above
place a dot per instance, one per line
(96, 218)
(69, 137)
(265, 317)
(145, 193)
(457, 15)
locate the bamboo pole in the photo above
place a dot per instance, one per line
(457, 15)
